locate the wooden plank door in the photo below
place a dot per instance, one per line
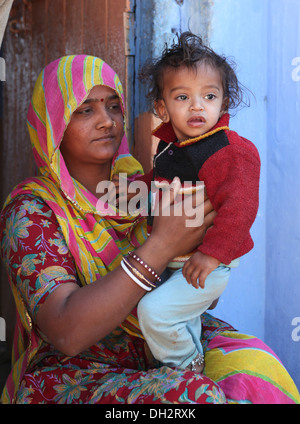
(38, 32)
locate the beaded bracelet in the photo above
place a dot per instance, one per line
(138, 274)
(133, 277)
(137, 258)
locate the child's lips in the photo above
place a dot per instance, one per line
(196, 121)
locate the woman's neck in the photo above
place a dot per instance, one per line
(91, 175)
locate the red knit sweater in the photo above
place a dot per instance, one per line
(229, 166)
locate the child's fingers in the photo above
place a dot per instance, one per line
(194, 279)
(185, 269)
(190, 274)
(201, 280)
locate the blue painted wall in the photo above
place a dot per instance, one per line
(263, 36)
(283, 184)
(264, 296)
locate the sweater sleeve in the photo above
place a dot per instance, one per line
(231, 177)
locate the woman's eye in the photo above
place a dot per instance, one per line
(85, 111)
(115, 106)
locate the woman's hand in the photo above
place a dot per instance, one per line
(180, 226)
(120, 190)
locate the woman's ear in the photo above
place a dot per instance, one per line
(161, 110)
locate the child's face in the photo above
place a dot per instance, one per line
(193, 100)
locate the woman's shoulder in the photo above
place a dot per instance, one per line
(22, 220)
(26, 204)
(25, 197)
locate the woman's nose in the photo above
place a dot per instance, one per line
(104, 120)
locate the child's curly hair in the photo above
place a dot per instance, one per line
(189, 51)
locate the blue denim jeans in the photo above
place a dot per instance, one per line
(169, 316)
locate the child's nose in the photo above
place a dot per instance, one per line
(197, 104)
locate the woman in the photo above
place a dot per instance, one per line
(77, 342)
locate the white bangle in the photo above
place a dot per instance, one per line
(133, 277)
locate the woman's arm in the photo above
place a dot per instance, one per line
(73, 318)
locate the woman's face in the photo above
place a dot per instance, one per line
(95, 131)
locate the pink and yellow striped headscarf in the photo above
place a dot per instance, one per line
(97, 243)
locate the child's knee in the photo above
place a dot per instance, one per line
(144, 307)
(147, 312)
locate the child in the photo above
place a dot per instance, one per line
(192, 89)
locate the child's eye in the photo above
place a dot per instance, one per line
(210, 96)
(181, 97)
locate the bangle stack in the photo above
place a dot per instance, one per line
(136, 275)
(134, 256)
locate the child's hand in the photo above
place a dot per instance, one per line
(197, 268)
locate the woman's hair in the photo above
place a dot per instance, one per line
(189, 51)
